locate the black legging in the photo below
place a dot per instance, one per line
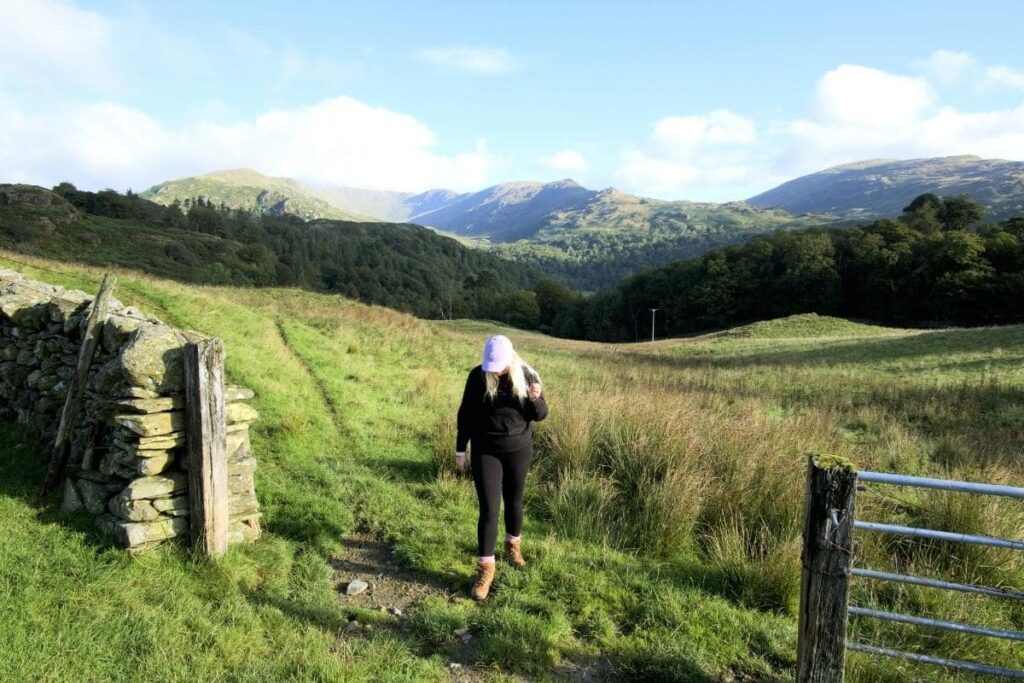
(497, 477)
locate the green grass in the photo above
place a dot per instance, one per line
(806, 325)
(663, 508)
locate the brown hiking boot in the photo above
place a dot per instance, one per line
(515, 558)
(484, 577)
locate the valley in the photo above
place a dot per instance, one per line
(354, 441)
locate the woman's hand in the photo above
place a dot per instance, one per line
(461, 462)
(534, 391)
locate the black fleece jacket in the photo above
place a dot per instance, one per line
(501, 426)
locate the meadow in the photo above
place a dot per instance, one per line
(663, 510)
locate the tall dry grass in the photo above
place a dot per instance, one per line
(672, 474)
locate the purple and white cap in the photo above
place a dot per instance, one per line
(497, 353)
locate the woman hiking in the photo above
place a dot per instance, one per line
(501, 402)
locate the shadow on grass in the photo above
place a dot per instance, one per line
(23, 465)
(405, 469)
(312, 615)
(648, 666)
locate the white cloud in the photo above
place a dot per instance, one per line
(861, 96)
(479, 60)
(338, 141)
(854, 113)
(947, 67)
(860, 113)
(681, 136)
(1002, 77)
(46, 41)
(565, 161)
(704, 155)
(962, 68)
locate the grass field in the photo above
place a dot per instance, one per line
(663, 510)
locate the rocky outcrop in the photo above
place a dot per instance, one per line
(128, 467)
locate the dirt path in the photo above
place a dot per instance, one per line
(397, 590)
(391, 585)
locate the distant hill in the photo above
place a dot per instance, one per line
(596, 239)
(403, 266)
(587, 238)
(592, 239)
(385, 205)
(882, 187)
(246, 189)
(509, 211)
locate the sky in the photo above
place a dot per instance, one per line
(709, 101)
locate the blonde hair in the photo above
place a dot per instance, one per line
(517, 370)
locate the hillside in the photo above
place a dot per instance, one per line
(588, 239)
(882, 187)
(509, 211)
(692, 581)
(613, 234)
(252, 191)
(398, 265)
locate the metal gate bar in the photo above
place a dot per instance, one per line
(917, 532)
(938, 583)
(975, 667)
(943, 484)
(935, 623)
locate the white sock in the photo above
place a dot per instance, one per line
(510, 537)
(488, 559)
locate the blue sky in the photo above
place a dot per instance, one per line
(694, 100)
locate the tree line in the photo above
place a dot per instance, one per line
(938, 263)
(404, 267)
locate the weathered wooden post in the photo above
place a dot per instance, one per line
(825, 578)
(205, 436)
(91, 333)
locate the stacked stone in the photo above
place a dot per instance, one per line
(128, 451)
(242, 504)
(39, 340)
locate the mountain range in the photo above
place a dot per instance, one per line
(594, 238)
(882, 187)
(587, 238)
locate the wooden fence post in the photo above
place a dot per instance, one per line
(91, 334)
(825, 577)
(205, 439)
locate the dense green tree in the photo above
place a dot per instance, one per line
(924, 214)
(960, 213)
(552, 298)
(932, 266)
(519, 309)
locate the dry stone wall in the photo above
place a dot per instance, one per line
(128, 467)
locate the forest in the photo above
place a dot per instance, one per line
(403, 267)
(937, 264)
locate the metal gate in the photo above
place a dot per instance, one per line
(827, 568)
